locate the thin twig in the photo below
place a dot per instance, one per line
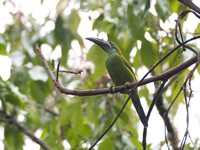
(187, 102)
(156, 98)
(57, 71)
(70, 71)
(157, 95)
(178, 27)
(111, 125)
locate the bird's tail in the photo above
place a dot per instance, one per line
(140, 111)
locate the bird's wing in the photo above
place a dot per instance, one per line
(129, 67)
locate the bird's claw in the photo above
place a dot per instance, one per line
(112, 89)
(127, 84)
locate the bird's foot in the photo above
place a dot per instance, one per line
(112, 89)
(127, 84)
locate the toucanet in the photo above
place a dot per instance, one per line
(120, 72)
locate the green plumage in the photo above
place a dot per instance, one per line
(120, 72)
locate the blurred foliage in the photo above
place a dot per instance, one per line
(81, 120)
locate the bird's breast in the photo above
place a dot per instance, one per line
(117, 69)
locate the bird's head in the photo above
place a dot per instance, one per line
(107, 46)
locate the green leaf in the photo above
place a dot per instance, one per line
(27, 42)
(13, 99)
(148, 54)
(71, 120)
(139, 5)
(198, 69)
(107, 144)
(98, 23)
(135, 23)
(51, 135)
(197, 30)
(73, 20)
(85, 130)
(39, 90)
(162, 9)
(13, 138)
(71, 113)
(33, 117)
(21, 82)
(3, 49)
(66, 113)
(11, 95)
(98, 57)
(63, 36)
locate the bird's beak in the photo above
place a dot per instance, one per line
(103, 44)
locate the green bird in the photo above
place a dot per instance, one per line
(120, 72)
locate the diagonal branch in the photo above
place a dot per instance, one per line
(191, 5)
(12, 121)
(162, 76)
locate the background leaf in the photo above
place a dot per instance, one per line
(98, 57)
(13, 138)
(65, 121)
(3, 49)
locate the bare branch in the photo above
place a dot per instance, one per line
(12, 121)
(191, 5)
(166, 75)
(44, 62)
